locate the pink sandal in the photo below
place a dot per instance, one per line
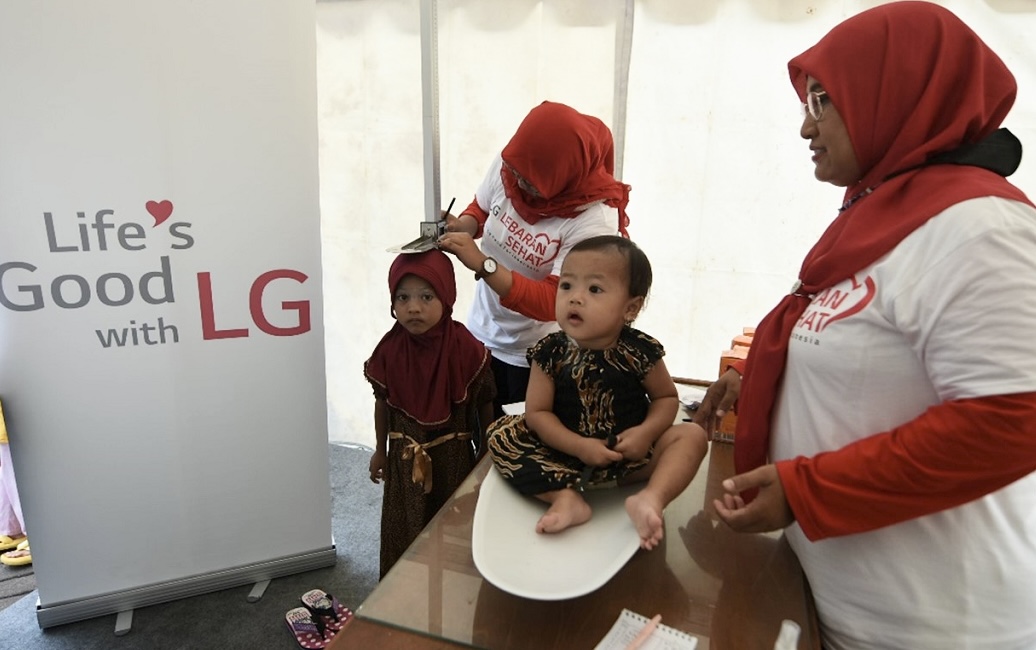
(308, 633)
(326, 609)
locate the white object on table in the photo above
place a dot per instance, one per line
(576, 561)
(629, 624)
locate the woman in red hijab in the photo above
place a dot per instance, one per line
(433, 395)
(887, 415)
(552, 186)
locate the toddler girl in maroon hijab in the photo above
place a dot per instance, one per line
(433, 395)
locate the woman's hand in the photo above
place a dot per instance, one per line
(719, 399)
(377, 465)
(768, 511)
(463, 246)
(463, 223)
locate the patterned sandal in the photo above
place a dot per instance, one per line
(308, 632)
(327, 609)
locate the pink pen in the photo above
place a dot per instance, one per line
(644, 634)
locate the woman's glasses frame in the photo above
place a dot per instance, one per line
(526, 186)
(815, 104)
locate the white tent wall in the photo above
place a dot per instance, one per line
(723, 201)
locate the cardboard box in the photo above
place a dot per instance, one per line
(739, 347)
(729, 356)
(725, 430)
(742, 341)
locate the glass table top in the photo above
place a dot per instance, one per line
(729, 590)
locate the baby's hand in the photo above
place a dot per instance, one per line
(596, 453)
(634, 443)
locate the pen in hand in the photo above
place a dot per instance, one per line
(644, 634)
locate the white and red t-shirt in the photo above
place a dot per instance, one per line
(949, 314)
(535, 252)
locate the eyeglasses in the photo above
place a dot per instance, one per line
(815, 102)
(522, 183)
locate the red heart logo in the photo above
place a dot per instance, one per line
(861, 293)
(546, 248)
(160, 210)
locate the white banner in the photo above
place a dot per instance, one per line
(161, 342)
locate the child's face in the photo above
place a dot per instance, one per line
(593, 301)
(416, 305)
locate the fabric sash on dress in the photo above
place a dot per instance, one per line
(421, 473)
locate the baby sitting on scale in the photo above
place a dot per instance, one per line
(601, 405)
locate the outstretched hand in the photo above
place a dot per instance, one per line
(768, 511)
(719, 399)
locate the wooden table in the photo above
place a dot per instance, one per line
(730, 590)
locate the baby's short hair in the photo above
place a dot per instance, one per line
(637, 264)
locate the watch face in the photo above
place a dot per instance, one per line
(489, 266)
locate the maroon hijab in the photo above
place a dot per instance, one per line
(910, 80)
(425, 376)
(569, 158)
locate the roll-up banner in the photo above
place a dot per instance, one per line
(161, 342)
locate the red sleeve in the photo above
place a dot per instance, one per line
(531, 298)
(951, 454)
(738, 365)
(475, 210)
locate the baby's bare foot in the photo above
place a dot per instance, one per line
(568, 510)
(646, 513)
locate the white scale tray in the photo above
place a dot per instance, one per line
(511, 555)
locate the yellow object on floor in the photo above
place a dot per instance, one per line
(20, 556)
(8, 543)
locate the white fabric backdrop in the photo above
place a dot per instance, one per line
(724, 201)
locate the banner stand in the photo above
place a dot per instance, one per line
(162, 355)
(145, 596)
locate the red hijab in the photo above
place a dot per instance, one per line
(569, 158)
(910, 80)
(425, 375)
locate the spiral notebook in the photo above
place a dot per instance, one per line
(629, 624)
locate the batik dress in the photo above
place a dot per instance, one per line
(425, 466)
(597, 393)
